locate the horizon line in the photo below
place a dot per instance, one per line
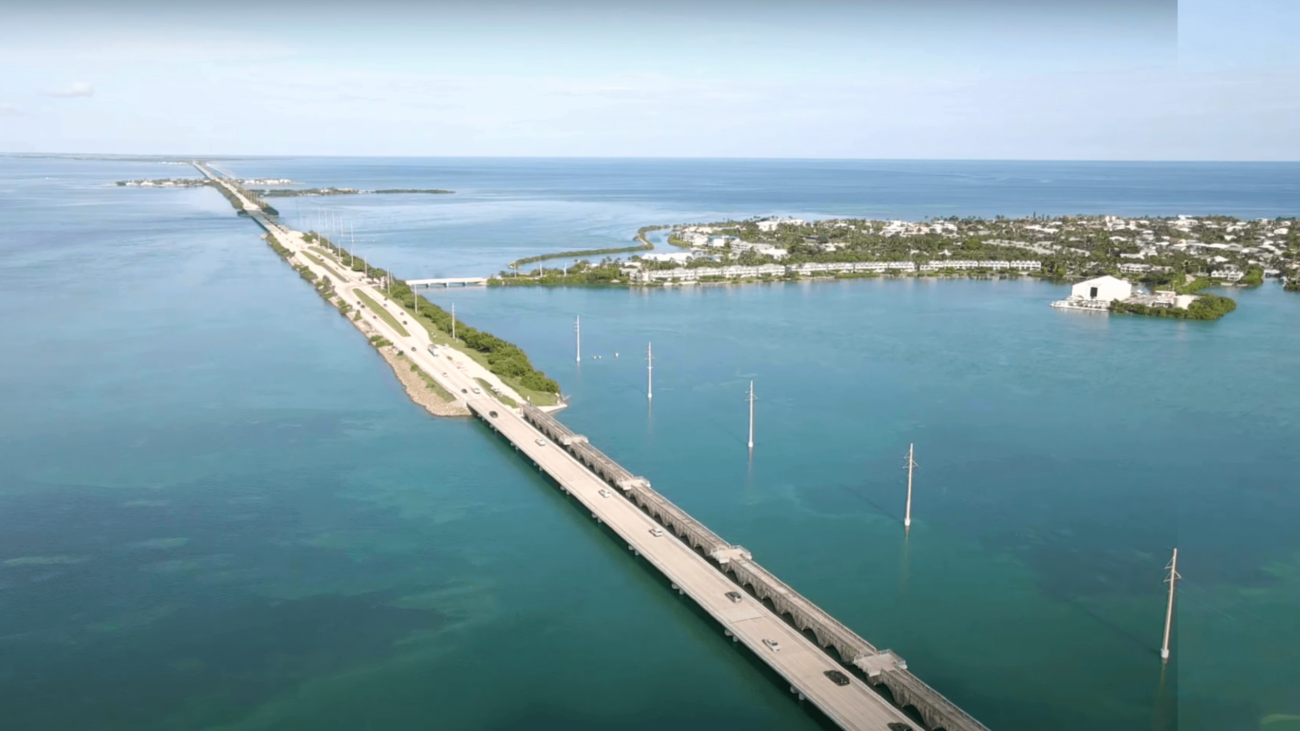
(229, 156)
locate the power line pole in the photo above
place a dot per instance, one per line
(453, 320)
(650, 371)
(577, 330)
(911, 463)
(1172, 580)
(751, 415)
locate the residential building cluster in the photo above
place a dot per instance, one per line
(694, 274)
(1150, 248)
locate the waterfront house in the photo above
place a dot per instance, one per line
(1103, 289)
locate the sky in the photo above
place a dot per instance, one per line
(878, 79)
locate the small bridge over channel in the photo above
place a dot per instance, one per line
(448, 282)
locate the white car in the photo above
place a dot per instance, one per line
(772, 645)
(476, 390)
(605, 493)
(541, 442)
(657, 532)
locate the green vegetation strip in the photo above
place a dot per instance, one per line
(437, 388)
(487, 388)
(378, 309)
(1206, 307)
(321, 263)
(640, 236)
(506, 360)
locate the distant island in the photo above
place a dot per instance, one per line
(166, 183)
(307, 192)
(1156, 251)
(276, 192)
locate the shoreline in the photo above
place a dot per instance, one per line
(498, 281)
(383, 334)
(645, 245)
(420, 392)
(417, 389)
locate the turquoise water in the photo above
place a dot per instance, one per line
(218, 510)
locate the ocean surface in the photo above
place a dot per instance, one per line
(218, 509)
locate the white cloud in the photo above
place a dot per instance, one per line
(76, 89)
(9, 110)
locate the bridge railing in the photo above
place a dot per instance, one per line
(701, 536)
(614, 473)
(812, 611)
(541, 418)
(936, 709)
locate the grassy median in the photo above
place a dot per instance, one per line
(487, 387)
(538, 398)
(327, 267)
(378, 309)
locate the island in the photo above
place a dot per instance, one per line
(1169, 257)
(165, 183)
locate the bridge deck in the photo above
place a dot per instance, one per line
(881, 667)
(799, 661)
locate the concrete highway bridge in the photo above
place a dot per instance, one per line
(752, 605)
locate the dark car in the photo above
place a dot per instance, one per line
(492, 414)
(837, 677)
(464, 390)
(896, 726)
(734, 596)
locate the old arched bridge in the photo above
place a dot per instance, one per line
(736, 566)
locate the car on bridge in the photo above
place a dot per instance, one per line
(772, 645)
(541, 442)
(657, 532)
(605, 493)
(837, 677)
(734, 596)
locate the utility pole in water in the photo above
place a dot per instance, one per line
(1172, 580)
(751, 416)
(577, 331)
(911, 463)
(650, 371)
